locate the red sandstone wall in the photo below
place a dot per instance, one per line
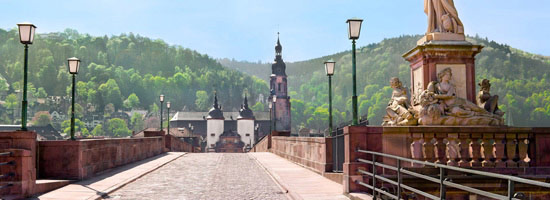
(175, 144)
(312, 152)
(82, 159)
(22, 145)
(263, 145)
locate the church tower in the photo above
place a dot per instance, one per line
(279, 94)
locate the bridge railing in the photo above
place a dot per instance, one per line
(442, 179)
(337, 149)
(8, 174)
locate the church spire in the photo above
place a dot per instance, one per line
(245, 102)
(278, 47)
(215, 105)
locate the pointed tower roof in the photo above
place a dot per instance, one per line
(278, 47)
(278, 67)
(215, 112)
(245, 112)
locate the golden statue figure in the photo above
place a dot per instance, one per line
(442, 17)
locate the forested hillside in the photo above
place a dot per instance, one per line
(519, 78)
(128, 71)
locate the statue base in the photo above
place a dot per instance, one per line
(441, 37)
(432, 56)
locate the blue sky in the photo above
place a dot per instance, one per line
(246, 29)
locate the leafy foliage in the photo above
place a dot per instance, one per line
(41, 119)
(116, 127)
(114, 68)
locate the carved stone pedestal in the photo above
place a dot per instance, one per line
(430, 57)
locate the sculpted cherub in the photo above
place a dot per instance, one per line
(399, 108)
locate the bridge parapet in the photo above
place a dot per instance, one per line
(503, 150)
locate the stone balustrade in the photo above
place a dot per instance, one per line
(504, 150)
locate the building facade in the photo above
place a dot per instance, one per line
(219, 129)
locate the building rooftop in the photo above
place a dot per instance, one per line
(198, 116)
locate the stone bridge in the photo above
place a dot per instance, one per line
(408, 161)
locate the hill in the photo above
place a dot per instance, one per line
(128, 71)
(518, 77)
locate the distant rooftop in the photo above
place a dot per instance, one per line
(197, 116)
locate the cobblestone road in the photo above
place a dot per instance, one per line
(204, 176)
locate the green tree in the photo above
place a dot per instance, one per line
(110, 93)
(98, 131)
(3, 85)
(11, 102)
(137, 122)
(201, 100)
(78, 111)
(258, 107)
(79, 127)
(42, 118)
(117, 127)
(132, 101)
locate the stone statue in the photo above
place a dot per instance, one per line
(399, 110)
(442, 17)
(486, 101)
(452, 104)
(439, 105)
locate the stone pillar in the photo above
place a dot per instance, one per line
(453, 150)
(416, 148)
(359, 137)
(427, 59)
(474, 151)
(429, 153)
(440, 148)
(487, 149)
(22, 145)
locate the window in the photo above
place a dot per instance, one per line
(247, 135)
(212, 145)
(279, 88)
(213, 134)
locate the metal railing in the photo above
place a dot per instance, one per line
(443, 181)
(338, 150)
(10, 174)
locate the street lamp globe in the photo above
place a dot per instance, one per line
(329, 67)
(26, 32)
(74, 65)
(168, 105)
(354, 28)
(270, 105)
(161, 98)
(274, 98)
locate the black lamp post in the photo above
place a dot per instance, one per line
(329, 69)
(353, 34)
(168, 116)
(26, 37)
(74, 66)
(161, 102)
